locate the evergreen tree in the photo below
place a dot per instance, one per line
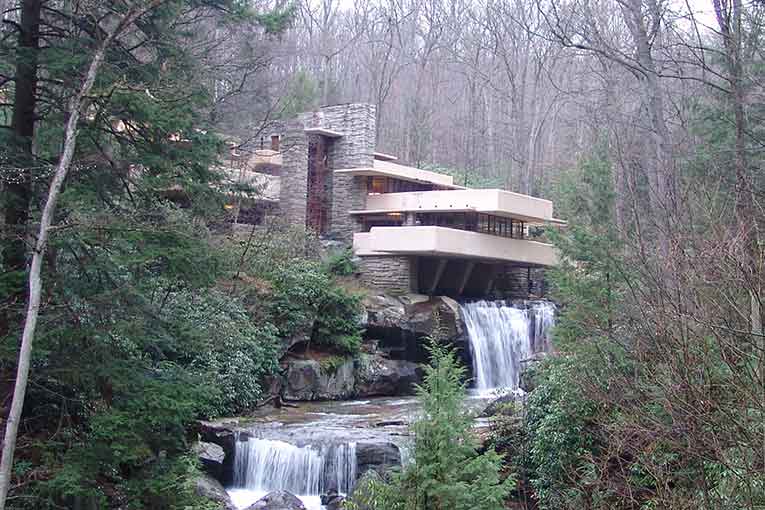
(447, 472)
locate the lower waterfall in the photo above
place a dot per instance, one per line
(502, 335)
(263, 465)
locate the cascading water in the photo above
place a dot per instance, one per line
(262, 466)
(503, 335)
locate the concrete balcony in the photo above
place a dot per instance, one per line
(452, 243)
(486, 201)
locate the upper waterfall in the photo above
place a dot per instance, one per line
(502, 335)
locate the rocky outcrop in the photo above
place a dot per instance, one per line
(210, 488)
(278, 500)
(223, 434)
(380, 376)
(379, 457)
(306, 379)
(212, 457)
(413, 313)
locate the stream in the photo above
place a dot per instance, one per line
(320, 446)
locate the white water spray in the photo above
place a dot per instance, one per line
(501, 336)
(262, 466)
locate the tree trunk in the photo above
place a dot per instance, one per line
(660, 170)
(18, 191)
(35, 272)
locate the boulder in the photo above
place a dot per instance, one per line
(377, 375)
(224, 434)
(211, 456)
(413, 313)
(210, 488)
(422, 317)
(278, 500)
(500, 405)
(379, 457)
(307, 380)
(399, 323)
(332, 500)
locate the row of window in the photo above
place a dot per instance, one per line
(473, 222)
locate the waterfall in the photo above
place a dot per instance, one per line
(503, 335)
(263, 465)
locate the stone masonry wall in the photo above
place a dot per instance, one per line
(355, 149)
(294, 179)
(514, 282)
(394, 274)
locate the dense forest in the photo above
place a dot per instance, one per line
(130, 309)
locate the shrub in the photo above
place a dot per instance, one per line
(305, 297)
(341, 263)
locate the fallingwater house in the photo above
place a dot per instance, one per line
(418, 238)
(413, 230)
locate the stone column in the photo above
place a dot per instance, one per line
(355, 149)
(293, 193)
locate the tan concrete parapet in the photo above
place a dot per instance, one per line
(382, 168)
(448, 242)
(488, 201)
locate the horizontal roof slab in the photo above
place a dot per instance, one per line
(447, 242)
(405, 173)
(487, 201)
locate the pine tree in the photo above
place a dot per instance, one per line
(447, 471)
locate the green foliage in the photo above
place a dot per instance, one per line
(341, 263)
(278, 20)
(332, 364)
(447, 470)
(302, 95)
(559, 436)
(587, 280)
(305, 299)
(225, 351)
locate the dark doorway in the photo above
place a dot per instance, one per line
(319, 191)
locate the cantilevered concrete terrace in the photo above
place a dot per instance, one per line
(449, 242)
(388, 169)
(485, 201)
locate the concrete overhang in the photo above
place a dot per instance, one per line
(487, 201)
(384, 157)
(329, 133)
(452, 243)
(381, 168)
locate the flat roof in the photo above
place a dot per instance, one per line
(329, 133)
(382, 168)
(495, 202)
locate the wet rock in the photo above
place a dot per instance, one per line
(308, 380)
(223, 433)
(529, 370)
(377, 375)
(332, 500)
(390, 423)
(500, 405)
(414, 313)
(278, 500)
(211, 456)
(210, 488)
(379, 457)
